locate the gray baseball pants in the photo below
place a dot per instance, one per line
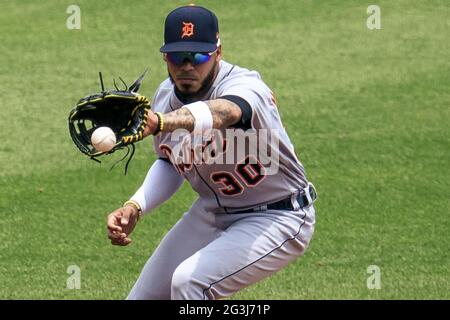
(211, 256)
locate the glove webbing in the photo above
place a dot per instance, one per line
(133, 149)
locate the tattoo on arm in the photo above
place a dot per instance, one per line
(178, 119)
(224, 113)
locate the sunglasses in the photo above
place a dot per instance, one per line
(195, 58)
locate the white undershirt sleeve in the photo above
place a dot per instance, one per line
(161, 182)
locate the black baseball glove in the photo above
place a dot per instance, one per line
(124, 111)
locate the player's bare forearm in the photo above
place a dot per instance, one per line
(224, 113)
(178, 119)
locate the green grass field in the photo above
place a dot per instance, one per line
(368, 111)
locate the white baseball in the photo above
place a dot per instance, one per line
(103, 139)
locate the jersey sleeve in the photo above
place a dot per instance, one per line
(258, 96)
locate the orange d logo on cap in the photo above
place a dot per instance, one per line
(187, 29)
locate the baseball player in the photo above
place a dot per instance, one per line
(254, 213)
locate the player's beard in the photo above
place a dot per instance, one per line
(187, 97)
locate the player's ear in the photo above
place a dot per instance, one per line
(164, 57)
(219, 53)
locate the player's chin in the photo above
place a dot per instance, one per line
(187, 86)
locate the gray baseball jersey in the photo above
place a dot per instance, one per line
(261, 170)
(217, 248)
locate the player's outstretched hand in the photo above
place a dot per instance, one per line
(121, 223)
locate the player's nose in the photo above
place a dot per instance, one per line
(187, 65)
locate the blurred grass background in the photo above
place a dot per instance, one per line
(368, 111)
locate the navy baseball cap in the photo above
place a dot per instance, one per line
(191, 29)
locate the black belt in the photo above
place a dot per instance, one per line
(286, 203)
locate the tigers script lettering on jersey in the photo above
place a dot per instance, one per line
(230, 163)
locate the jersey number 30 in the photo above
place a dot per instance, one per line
(250, 173)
